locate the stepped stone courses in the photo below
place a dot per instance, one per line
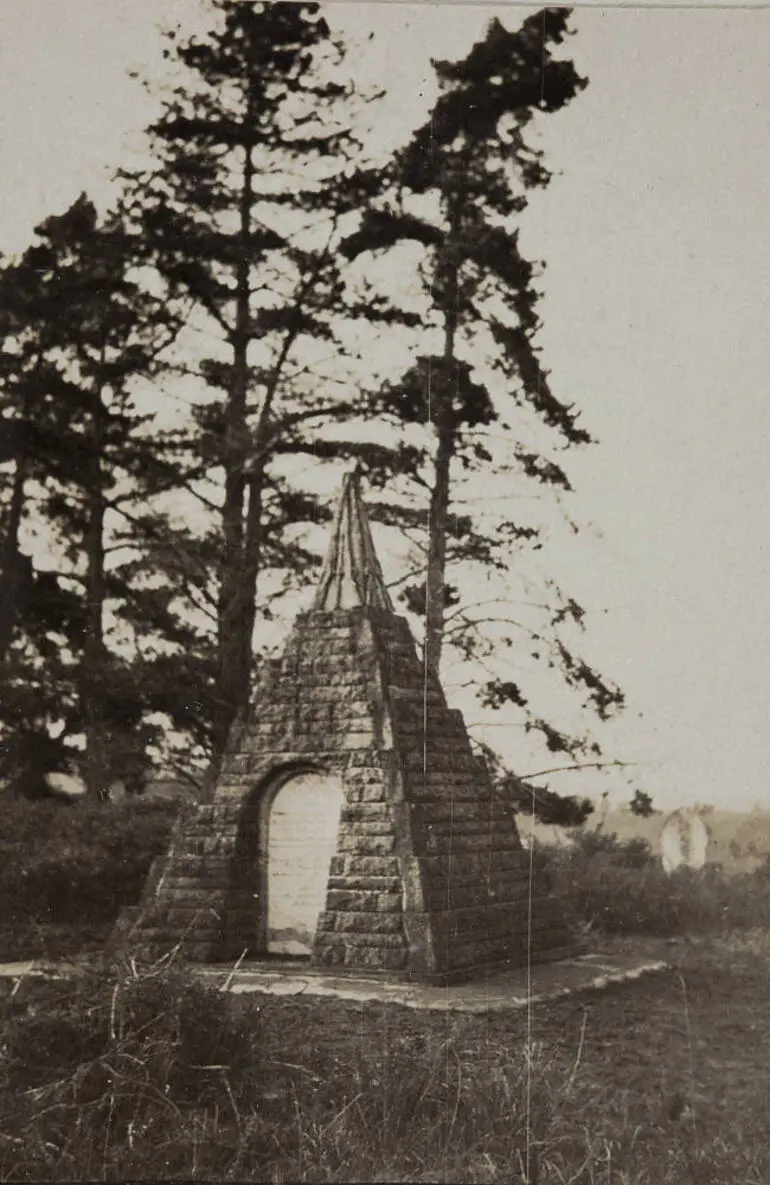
(430, 879)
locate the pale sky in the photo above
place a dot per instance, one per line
(657, 239)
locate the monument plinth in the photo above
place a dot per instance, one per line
(351, 822)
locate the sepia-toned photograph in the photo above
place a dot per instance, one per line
(384, 593)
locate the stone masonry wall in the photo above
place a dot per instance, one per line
(317, 707)
(470, 903)
(429, 879)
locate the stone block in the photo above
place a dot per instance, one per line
(462, 790)
(359, 738)
(364, 865)
(446, 810)
(458, 826)
(375, 958)
(367, 845)
(361, 922)
(450, 894)
(220, 845)
(362, 775)
(347, 899)
(195, 888)
(179, 920)
(328, 954)
(381, 884)
(445, 759)
(474, 952)
(366, 812)
(232, 786)
(365, 827)
(365, 756)
(184, 865)
(368, 793)
(390, 902)
(383, 941)
(492, 921)
(435, 844)
(366, 900)
(472, 956)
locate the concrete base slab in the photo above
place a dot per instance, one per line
(37, 969)
(496, 992)
(499, 992)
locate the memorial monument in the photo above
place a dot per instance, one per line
(351, 823)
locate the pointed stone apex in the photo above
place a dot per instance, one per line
(352, 575)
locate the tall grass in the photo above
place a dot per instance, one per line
(144, 1073)
(147, 1075)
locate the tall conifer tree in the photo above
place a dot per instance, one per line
(81, 333)
(458, 190)
(254, 173)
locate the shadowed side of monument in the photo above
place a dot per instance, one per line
(351, 823)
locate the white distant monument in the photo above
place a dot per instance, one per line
(73, 786)
(684, 840)
(69, 785)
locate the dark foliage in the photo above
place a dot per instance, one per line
(642, 804)
(76, 864)
(619, 887)
(474, 159)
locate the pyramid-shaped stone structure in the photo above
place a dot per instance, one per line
(426, 875)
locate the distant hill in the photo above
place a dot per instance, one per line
(737, 840)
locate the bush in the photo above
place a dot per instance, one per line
(77, 864)
(619, 887)
(109, 1080)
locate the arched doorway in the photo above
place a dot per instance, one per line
(302, 824)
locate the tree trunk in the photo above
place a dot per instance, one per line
(435, 580)
(245, 609)
(11, 577)
(239, 584)
(242, 614)
(16, 569)
(251, 564)
(233, 694)
(92, 674)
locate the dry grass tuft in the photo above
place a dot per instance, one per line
(145, 1074)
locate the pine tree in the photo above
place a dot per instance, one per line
(81, 334)
(255, 175)
(457, 190)
(38, 617)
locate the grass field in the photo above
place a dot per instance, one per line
(149, 1075)
(663, 1081)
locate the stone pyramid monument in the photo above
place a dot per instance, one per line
(351, 822)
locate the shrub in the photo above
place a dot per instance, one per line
(619, 887)
(109, 1079)
(79, 863)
